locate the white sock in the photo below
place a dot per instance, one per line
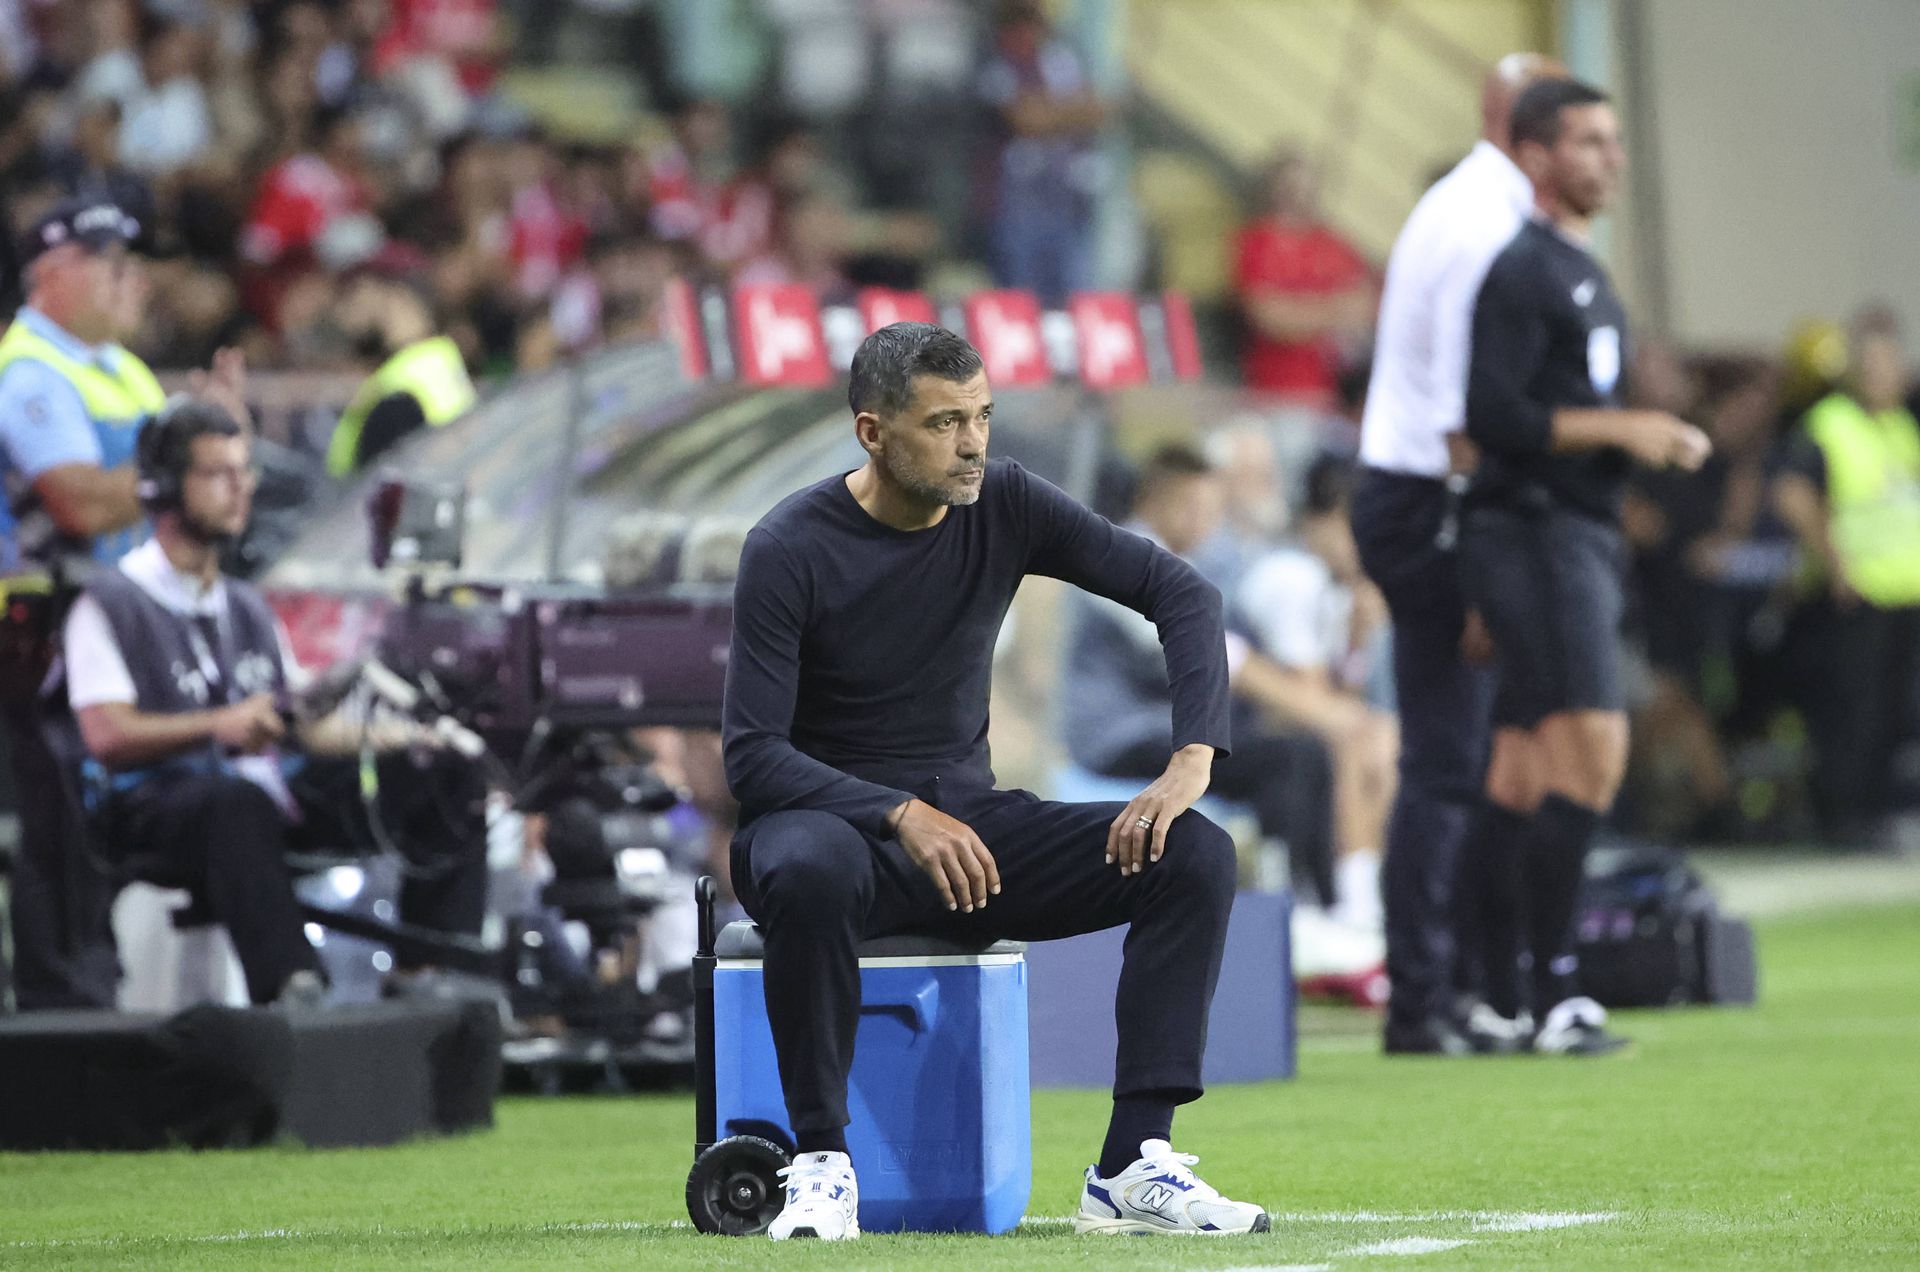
(1357, 883)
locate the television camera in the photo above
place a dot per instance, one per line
(546, 684)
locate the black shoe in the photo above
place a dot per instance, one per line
(1427, 1036)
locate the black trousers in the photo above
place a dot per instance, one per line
(817, 887)
(1860, 678)
(1445, 712)
(223, 838)
(62, 897)
(1287, 778)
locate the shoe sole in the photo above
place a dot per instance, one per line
(1436, 1053)
(808, 1234)
(1087, 1225)
(1611, 1046)
(1426, 1047)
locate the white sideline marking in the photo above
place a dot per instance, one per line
(313, 1234)
(1482, 1221)
(1406, 1245)
(1529, 1222)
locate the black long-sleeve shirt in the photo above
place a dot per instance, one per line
(862, 655)
(1548, 332)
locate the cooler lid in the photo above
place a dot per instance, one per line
(742, 940)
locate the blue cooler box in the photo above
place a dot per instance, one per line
(941, 1134)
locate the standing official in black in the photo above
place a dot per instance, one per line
(1405, 523)
(855, 734)
(1542, 557)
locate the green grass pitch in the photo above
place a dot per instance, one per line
(1785, 1136)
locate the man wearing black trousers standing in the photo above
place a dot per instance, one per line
(1541, 553)
(855, 736)
(1415, 461)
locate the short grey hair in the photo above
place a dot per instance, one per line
(888, 361)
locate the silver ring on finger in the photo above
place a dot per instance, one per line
(1144, 823)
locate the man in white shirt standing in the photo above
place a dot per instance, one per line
(1415, 459)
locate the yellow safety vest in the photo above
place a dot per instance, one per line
(119, 394)
(1873, 496)
(432, 370)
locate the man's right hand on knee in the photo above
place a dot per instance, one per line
(951, 854)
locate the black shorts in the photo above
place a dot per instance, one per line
(1550, 587)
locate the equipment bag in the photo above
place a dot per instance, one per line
(1650, 934)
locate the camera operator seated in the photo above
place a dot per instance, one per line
(175, 672)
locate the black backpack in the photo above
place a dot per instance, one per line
(1650, 934)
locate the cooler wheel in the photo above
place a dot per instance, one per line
(734, 1188)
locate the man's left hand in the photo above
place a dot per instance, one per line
(225, 384)
(1139, 834)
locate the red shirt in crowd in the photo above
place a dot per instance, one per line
(1294, 260)
(545, 239)
(298, 198)
(462, 31)
(729, 222)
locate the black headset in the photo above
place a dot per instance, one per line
(163, 451)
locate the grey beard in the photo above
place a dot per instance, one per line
(931, 492)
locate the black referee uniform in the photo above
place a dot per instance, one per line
(1542, 557)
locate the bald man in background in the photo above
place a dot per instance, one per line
(1416, 458)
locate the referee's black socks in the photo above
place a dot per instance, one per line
(1556, 859)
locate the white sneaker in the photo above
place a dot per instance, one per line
(1576, 1027)
(823, 1199)
(1161, 1194)
(1323, 945)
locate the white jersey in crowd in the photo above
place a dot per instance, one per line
(1298, 614)
(1418, 392)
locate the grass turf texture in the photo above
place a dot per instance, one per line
(1782, 1136)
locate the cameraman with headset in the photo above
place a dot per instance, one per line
(176, 674)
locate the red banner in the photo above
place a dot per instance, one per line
(782, 335)
(882, 307)
(1107, 330)
(778, 330)
(1005, 327)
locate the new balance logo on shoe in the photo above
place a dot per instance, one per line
(1156, 1197)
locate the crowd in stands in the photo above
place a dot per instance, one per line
(294, 162)
(1770, 628)
(273, 150)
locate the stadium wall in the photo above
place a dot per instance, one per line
(1787, 139)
